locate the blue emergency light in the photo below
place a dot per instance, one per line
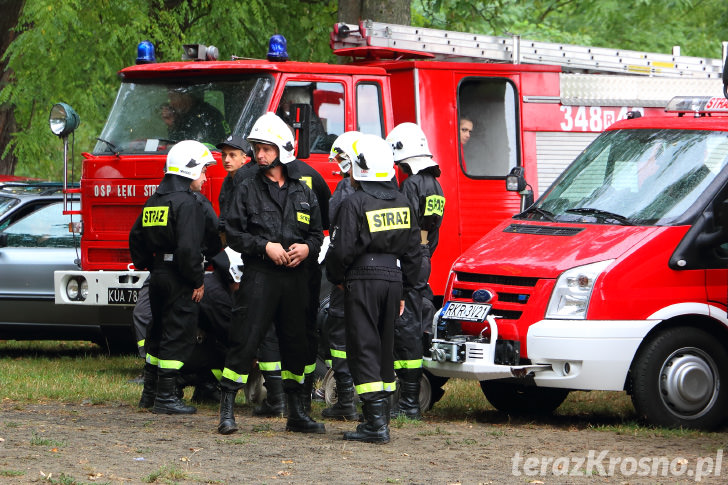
(277, 48)
(145, 53)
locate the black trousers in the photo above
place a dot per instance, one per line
(371, 307)
(172, 334)
(336, 331)
(409, 327)
(265, 298)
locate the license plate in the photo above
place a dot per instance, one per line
(123, 296)
(469, 312)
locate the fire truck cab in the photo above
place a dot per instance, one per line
(614, 279)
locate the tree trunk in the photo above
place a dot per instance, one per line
(8, 20)
(392, 11)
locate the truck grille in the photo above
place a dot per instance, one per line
(497, 279)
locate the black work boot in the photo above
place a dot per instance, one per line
(298, 420)
(206, 389)
(344, 408)
(227, 416)
(150, 386)
(409, 394)
(166, 400)
(274, 404)
(375, 428)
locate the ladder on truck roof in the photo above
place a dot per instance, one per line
(349, 39)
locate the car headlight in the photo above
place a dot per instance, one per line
(570, 298)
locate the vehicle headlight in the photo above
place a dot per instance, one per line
(84, 289)
(77, 289)
(570, 298)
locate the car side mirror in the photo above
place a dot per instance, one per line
(3, 240)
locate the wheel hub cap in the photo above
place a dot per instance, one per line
(688, 383)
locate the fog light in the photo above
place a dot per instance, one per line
(72, 289)
(84, 290)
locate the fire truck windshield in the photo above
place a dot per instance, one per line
(151, 116)
(640, 177)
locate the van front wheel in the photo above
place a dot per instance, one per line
(680, 379)
(510, 397)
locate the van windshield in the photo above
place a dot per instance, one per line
(640, 177)
(151, 116)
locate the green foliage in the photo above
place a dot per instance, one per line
(646, 25)
(71, 51)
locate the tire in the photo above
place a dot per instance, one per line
(329, 386)
(680, 379)
(511, 397)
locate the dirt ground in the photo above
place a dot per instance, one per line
(81, 444)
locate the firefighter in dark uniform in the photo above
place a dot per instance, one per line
(205, 383)
(342, 152)
(233, 151)
(167, 239)
(320, 188)
(373, 236)
(275, 223)
(425, 196)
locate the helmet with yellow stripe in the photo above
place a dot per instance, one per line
(373, 160)
(187, 159)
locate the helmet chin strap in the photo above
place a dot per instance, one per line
(274, 163)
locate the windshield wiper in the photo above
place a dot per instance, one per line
(111, 146)
(549, 216)
(625, 221)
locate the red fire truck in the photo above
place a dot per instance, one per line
(534, 107)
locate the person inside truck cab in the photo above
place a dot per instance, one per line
(301, 95)
(465, 130)
(189, 117)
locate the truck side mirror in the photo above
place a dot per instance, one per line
(301, 122)
(516, 182)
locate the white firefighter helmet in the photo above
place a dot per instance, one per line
(272, 130)
(187, 159)
(236, 264)
(409, 145)
(373, 161)
(344, 147)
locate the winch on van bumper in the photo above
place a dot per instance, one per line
(570, 354)
(98, 287)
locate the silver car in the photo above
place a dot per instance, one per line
(34, 242)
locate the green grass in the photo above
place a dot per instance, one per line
(82, 372)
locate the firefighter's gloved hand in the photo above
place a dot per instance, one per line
(277, 254)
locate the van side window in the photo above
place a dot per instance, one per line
(487, 127)
(369, 109)
(327, 110)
